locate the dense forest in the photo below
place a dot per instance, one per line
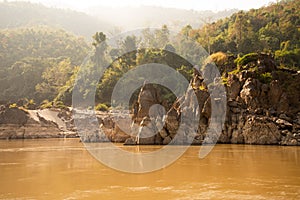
(274, 29)
(36, 62)
(39, 64)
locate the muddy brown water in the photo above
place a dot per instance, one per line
(64, 169)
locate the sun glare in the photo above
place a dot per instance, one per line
(214, 5)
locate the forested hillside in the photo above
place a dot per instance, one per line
(274, 29)
(28, 55)
(232, 43)
(40, 63)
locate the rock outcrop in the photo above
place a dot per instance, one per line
(17, 123)
(263, 107)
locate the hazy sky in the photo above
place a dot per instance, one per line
(214, 5)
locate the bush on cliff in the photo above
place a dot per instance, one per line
(244, 60)
(101, 107)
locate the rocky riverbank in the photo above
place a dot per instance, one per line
(18, 123)
(262, 107)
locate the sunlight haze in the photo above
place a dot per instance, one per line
(214, 5)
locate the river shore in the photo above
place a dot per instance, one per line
(16, 123)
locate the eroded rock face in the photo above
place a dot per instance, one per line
(148, 118)
(250, 93)
(20, 124)
(149, 96)
(257, 112)
(234, 87)
(258, 130)
(275, 93)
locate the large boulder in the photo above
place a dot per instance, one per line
(13, 116)
(260, 131)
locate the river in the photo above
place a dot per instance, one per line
(64, 169)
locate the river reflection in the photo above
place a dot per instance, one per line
(63, 169)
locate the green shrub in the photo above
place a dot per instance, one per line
(30, 104)
(266, 77)
(287, 58)
(187, 72)
(224, 80)
(46, 104)
(219, 58)
(14, 105)
(236, 71)
(242, 61)
(101, 107)
(60, 105)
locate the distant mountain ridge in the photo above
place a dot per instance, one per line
(109, 20)
(20, 14)
(153, 16)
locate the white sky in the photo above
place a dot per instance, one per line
(214, 5)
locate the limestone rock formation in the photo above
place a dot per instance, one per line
(259, 110)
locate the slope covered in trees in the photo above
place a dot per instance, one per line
(274, 29)
(41, 63)
(28, 55)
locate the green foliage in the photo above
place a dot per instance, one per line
(254, 31)
(219, 58)
(22, 77)
(244, 60)
(32, 58)
(46, 104)
(289, 58)
(54, 78)
(98, 38)
(40, 42)
(14, 105)
(224, 80)
(101, 107)
(65, 92)
(42, 63)
(60, 105)
(265, 77)
(30, 104)
(235, 71)
(130, 59)
(187, 72)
